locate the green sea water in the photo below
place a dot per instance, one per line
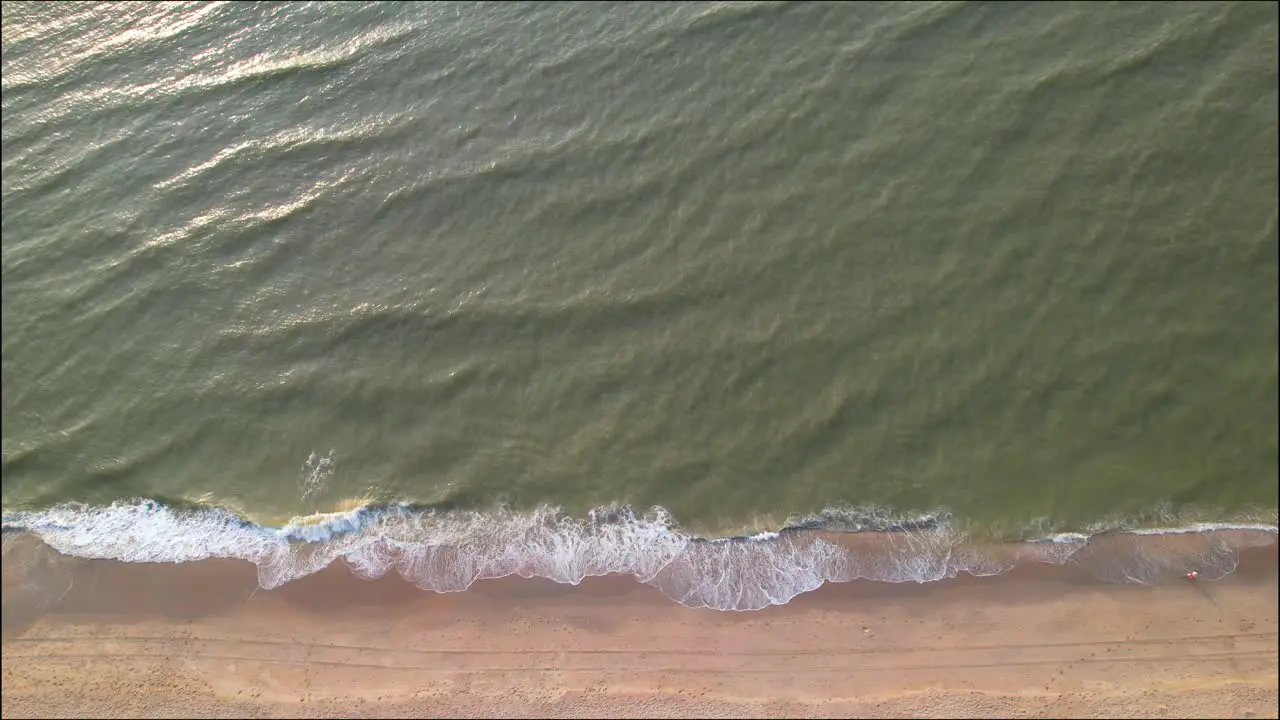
(743, 261)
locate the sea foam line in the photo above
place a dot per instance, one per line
(448, 551)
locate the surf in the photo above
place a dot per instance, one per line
(450, 550)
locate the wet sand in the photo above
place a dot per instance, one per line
(109, 639)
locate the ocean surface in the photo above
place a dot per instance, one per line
(738, 298)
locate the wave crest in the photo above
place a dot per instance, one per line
(448, 551)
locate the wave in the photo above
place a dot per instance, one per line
(449, 550)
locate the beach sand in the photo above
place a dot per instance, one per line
(108, 639)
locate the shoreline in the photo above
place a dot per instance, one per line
(451, 552)
(356, 515)
(99, 637)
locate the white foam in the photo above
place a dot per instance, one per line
(449, 551)
(1205, 527)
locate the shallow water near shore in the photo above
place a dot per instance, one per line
(450, 551)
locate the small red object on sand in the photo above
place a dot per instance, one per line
(1193, 575)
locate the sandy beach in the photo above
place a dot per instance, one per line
(108, 639)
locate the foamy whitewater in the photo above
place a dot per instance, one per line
(448, 551)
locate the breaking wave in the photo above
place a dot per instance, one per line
(449, 550)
